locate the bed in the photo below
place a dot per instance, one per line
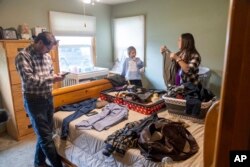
(83, 148)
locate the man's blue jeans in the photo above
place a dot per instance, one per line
(40, 111)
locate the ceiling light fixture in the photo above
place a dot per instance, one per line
(92, 2)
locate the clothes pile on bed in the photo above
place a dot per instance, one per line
(116, 136)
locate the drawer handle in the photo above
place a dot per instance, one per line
(19, 49)
(29, 126)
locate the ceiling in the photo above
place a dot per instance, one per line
(114, 2)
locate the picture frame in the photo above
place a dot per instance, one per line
(9, 33)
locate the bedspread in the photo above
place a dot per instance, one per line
(84, 147)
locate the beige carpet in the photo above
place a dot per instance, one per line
(17, 153)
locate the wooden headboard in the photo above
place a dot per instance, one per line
(76, 93)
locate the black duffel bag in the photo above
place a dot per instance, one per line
(165, 138)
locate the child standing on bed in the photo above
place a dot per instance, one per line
(132, 68)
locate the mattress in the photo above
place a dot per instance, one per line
(84, 147)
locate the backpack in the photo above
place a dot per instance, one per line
(165, 138)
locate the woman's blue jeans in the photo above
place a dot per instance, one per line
(40, 110)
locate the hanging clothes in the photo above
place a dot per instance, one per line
(169, 69)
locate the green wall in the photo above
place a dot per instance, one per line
(36, 13)
(167, 19)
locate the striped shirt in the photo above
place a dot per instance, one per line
(192, 75)
(36, 71)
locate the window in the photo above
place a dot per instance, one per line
(128, 31)
(76, 54)
(76, 34)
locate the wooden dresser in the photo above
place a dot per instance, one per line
(10, 86)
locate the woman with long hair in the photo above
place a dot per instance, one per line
(185, 62)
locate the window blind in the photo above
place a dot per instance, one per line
(69, 24)
(128, 31)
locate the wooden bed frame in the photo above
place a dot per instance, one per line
(210, 130)
(76, 93)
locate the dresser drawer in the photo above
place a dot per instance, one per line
(15, 77)
(12, 48)
(23, 123)
(11, 64)
(22, 117)
(17, 97)
(24, 130)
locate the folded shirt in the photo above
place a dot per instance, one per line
(111, 114)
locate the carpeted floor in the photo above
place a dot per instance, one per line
(17, 153)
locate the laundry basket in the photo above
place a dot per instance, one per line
(177, 107)
(204, 76)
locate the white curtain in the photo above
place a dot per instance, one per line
(69, 24)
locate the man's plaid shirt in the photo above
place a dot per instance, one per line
(36, 71)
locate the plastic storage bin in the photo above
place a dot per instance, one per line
(204, 76)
